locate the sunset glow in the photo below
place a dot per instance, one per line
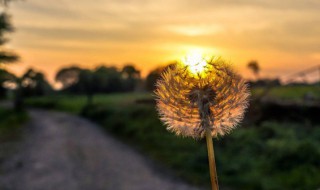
(195, 62)
(281, 35)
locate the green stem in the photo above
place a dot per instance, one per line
(212, 163)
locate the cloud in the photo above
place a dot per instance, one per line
(160, 28)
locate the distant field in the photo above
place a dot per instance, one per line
(294, 93)
(74, 103)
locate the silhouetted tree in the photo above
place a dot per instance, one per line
(254, 67)
(86, 84)
(68, 76)
(152, 78)
(34, 84)
(5, 55)
(131, 77)
(5, 76)
(100, 80)
(84, 81)
(108, 79)
(31, 83)
(154, 75)
(5, 27)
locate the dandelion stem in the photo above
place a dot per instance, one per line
(212, 163)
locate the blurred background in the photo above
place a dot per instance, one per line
(100, 60)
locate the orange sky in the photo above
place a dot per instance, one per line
(282, 35)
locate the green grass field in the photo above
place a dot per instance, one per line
(290, 93)
(74, 104)
(270, 156)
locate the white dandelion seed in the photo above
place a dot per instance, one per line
(190, 102)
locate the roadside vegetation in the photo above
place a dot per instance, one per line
(11, 124)
(11, 132)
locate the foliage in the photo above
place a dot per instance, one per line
(31, 83)
(131, 77)
(153, 76)
(108, 79)
(75, 103)
(5, 76)
(5, 27)
(68, 76)
(100, 80)
(10, 124)
(254, 67)
(34, 83)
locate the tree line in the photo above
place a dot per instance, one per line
(77, 80)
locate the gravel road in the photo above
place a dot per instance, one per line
(66, 152)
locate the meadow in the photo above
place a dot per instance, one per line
(268, 155)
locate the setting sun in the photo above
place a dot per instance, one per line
(195, 62)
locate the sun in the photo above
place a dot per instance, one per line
(195, 61)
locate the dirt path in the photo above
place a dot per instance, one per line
(65, 152)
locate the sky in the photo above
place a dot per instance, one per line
(283, 36)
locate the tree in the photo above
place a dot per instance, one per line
(68, 76)
(154, 75)
(131, 77)
(107, 79)
(34, 84)
(254, 67)
(5, 76)
(152, 78)
(100, 80)
(6, 56)
(129, 71)
(31, 83)
(85, 83)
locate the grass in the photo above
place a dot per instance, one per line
(75, 103)
(10, 135)
(291, 93)
(10, 124)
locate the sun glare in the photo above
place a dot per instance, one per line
(195, 62)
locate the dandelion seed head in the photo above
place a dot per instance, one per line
(190, 102)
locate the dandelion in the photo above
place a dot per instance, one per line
(201, 98)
